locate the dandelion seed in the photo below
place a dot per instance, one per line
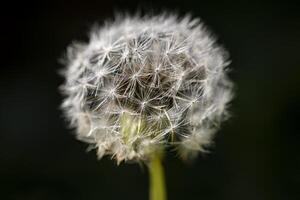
(143, 83)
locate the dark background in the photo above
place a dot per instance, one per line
(256, 153)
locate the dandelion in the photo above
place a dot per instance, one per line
(142, 84)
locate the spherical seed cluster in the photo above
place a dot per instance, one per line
(143, 83)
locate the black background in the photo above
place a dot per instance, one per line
(256, 153)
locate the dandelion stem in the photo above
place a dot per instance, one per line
(157, 182)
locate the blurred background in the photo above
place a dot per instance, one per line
(256, 153)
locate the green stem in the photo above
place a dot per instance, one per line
(157, 182)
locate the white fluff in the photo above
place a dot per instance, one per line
(143, 83)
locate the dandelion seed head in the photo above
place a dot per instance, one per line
(142, 83)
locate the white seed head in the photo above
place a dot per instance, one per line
(143, 83)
